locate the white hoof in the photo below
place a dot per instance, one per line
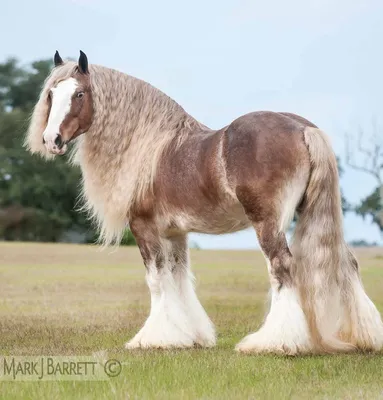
(160, 339)
(167, 334)
(285, 330)
(267, 342)
(165, 328)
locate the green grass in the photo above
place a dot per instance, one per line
(75, 300)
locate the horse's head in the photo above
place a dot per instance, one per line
(70, 106)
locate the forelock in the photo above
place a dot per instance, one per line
(60, 74)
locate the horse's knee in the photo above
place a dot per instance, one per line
(281, 269)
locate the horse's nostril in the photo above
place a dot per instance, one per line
(43, 140)
(58, 141)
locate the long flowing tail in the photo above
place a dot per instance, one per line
(332, 296)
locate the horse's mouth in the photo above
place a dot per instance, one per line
(59, 151)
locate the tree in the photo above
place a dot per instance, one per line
(362, 243)
(372, 164)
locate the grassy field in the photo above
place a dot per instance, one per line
(77, 300)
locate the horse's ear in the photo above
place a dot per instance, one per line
(83, 63)
(57, 59)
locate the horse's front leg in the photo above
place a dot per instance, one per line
(184, 278)
(176, 317)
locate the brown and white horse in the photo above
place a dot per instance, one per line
(148, 164)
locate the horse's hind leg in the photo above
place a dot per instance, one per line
(285, 329)
(176, 317)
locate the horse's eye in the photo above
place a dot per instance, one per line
(80, 94)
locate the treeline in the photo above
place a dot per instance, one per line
(38, 198)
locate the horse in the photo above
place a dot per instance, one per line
(148, 165)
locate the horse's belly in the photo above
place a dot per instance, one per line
(227, 226)
(216, 222)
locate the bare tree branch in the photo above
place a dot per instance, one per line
(364, 169)
(365, 151)
(373, 156)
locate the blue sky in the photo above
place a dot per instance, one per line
(322, 59)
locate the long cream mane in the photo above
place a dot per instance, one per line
(133, 124)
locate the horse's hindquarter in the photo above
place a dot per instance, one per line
(265, 155)
(197, 184)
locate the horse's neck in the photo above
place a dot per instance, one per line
(120, 154)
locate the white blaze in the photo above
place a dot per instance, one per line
(61, 103)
